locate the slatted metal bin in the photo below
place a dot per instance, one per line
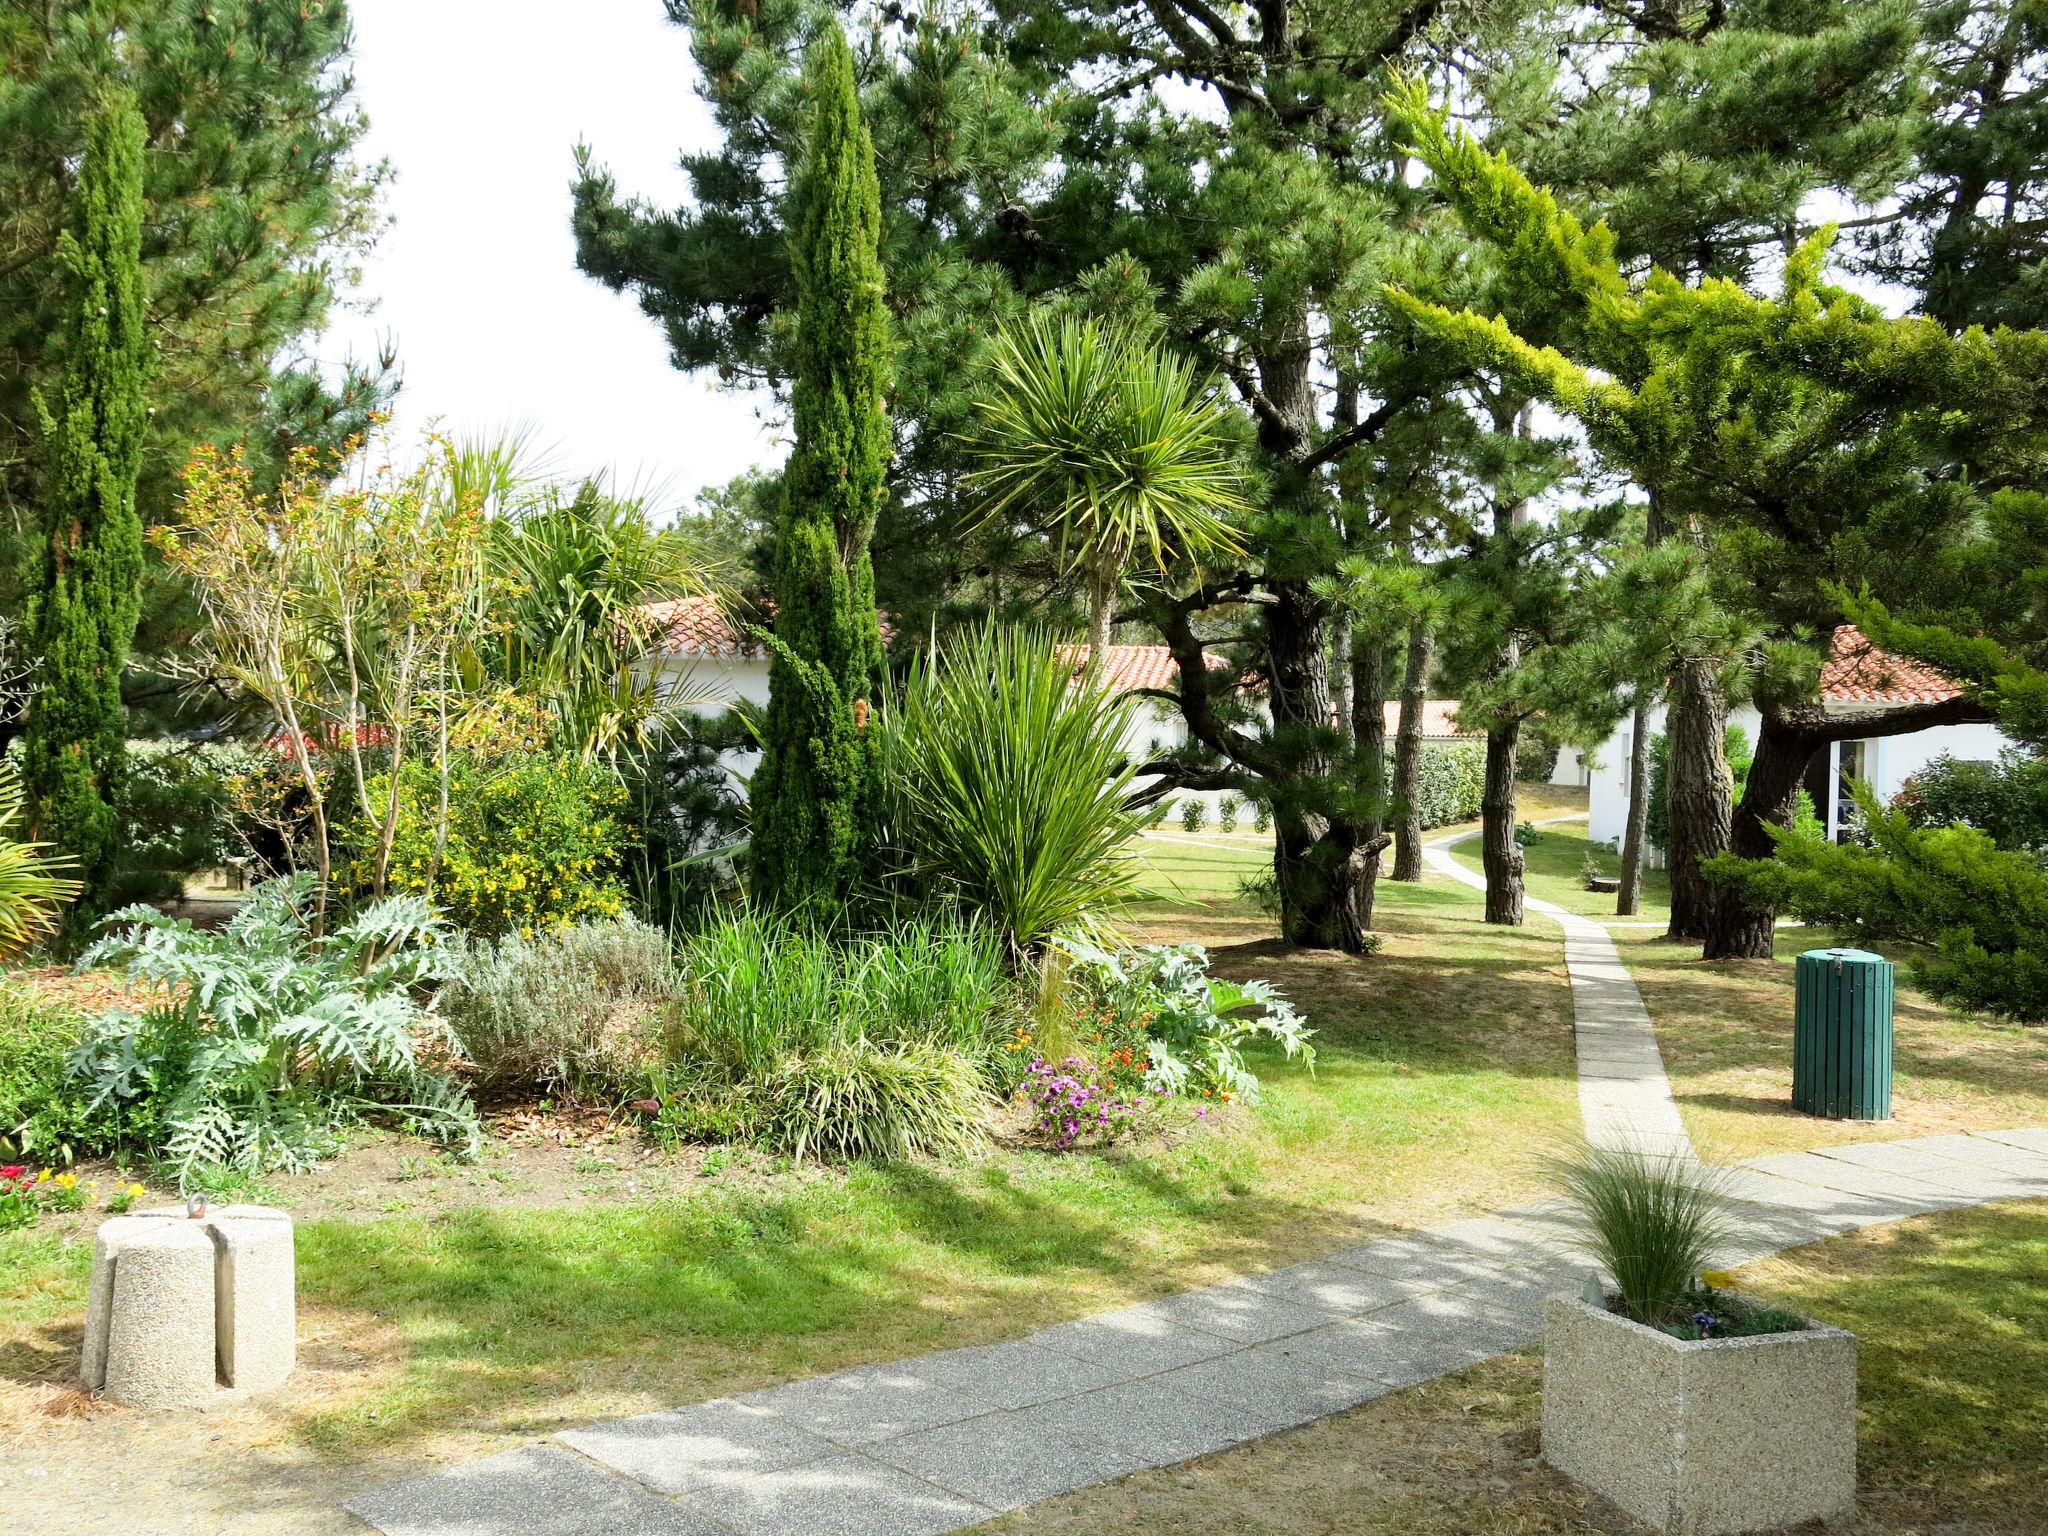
(1842, 1035)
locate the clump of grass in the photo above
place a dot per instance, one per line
(1653, 1221)
(859, 1102)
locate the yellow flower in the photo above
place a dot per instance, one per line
(1719, 1279)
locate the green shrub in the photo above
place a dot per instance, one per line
(177, 814)
(1978, 911)
(1194, 1026)
(1226, 814)
(2007, 799)
(46, 1113)
(34, 885)
(880, 1045)
(857, 1101)
(1007, 781)
(1535, 756)
(571, 1010)
(1450, 780)
(1653, 1222)
(1262, 817)
(534, 841)
(272, 1040)
(1194, 814)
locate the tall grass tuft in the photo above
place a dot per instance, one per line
(858, 1101)
(1652, 1221)
(1008, 776)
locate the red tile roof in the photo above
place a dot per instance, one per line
(1439, 720)
(1130, 667)
(697, 626)
(1857, 672)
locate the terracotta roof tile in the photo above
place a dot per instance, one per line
(1439, 720)
(1857, 672)
(1130, 667)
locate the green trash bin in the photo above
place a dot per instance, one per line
(1842, 1035)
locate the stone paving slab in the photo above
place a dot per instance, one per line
(1336, 1289)
(1137, 1341)
(1157, 1422)
(685, 1448)
(1275, 1380)
(1240, 1313)
(999, 1461)
(534, 1491)
(870, 1403)
(847, 1496)
(1985, 1153)
(1946, 1173)
(1017, 1374)
(1892, 1189)
(2030, 1138)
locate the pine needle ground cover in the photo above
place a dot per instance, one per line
(1725, 1028)
(455, 1325)
(1952, 1430)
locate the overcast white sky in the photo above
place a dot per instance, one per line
(477, 105)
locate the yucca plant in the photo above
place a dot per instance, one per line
(1008, 783)
(33, 887)
(1651, 1220)
(1110, 443)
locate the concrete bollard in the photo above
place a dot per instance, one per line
(181, 1308)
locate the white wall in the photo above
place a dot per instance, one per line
(1570, 768)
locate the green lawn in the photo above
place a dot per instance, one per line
(1952, 1366)
(1440, 1060)
(1726, 1032)
(1554, 870)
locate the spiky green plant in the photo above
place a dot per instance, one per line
(1651, 1220)
(33, 888)
(1111, 443)
(1009, 782)
(856, 1101)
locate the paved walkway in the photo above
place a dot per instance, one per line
(945, 1441)
(1624, 1097)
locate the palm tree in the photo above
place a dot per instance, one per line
(1113, 446)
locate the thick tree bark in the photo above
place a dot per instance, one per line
(1744, 929)
(1628, 898)
(1700, 793)
(1342, 667)
(1408, 754)
(1368, 702)
(1500, 854)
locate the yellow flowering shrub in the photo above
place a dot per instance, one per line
(535, 841)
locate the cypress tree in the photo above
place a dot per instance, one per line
(815, 795)
(85, 592)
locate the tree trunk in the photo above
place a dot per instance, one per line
(1743, 929)
(1628, 899)
(1320, 860)
(1700, 792)
(1342, 665)
(1368, 702)
(1500, 854)
(1101, 614)
(1408, 755)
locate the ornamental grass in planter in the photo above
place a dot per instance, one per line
(1694, 1408)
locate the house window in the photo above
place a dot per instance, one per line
(1858, 763)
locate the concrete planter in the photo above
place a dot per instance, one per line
(1706, 1436)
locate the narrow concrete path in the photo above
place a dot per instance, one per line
(944, 1441)
(1624, 1096)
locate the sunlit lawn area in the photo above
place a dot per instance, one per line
(1554, 869)
(1726, 1033)
(1441, 1062)
(1953, 1429)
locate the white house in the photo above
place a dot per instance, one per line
(1858, 678)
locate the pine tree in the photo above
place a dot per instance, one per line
(86, 595)
(816, 794)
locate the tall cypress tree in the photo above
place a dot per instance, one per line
(85, 593)
(815, 794)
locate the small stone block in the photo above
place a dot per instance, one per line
(688, 1448)
(848, 1496)
(1707, 1436)
(999, 1461)
(538, 1490)
(150, 1316)
(255, 1286)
